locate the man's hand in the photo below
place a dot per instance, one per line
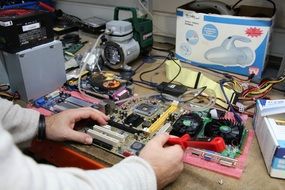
(59, 127)
(166, 161)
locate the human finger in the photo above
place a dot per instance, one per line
(161, 139)
(85, 113)
(78, 137)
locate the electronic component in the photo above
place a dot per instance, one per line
(133, 120)
(231, 132)
(63, 106)
(105, 130)
(58, 101)
(22, 31)
(187, 124)
(133, 123)
(213, 157)
(157, 124)
(120, 94)
(172, 89)
(123, 127)
(93, 25)
(102, 137)
(107, 83)
(137, 146)
(78, 102)
(146, 109)
(102, 144)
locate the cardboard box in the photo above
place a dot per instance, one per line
(269, 126)
(236, 44)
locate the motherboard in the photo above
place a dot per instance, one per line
(135, 122)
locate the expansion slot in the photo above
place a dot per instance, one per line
(108, 132)
(213, 157)
(102, 137)
(160, 121)
(102, 144)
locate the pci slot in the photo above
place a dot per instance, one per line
(102, 144)
(102, 137)
(160, 121)
(105, 130)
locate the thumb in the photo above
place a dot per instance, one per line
(161, 139)
(79, 137)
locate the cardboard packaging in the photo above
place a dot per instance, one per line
(269, 126)
(236, 44)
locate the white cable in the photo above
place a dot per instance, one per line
(83, 68)
(212, 101)
(145, 9)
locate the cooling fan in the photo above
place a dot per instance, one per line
(229, 131)
(187, 124)
(104, 81)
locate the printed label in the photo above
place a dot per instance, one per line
(5, 24)
(31, 27)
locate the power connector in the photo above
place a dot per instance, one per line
(172, 89)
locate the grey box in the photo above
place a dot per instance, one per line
(36, 71)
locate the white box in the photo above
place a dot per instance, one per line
(269, 126)
(237, 44)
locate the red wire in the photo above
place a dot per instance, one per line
(15, 12)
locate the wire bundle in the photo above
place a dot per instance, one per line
(261, 90)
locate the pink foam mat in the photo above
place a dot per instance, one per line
(236, 172)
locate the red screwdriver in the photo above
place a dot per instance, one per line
(216, 144)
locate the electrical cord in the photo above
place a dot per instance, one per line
(83, 68)
(237, 117)
(145, 9)
(148, 71)
(206, 93)
(178, 73)
(150, 84)
(262, 89)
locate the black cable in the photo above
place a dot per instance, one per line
(145, 72)
(237, 117)
(135, 70)
(161, 49)
(234, 6)
(150, 84)
(178, 73)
